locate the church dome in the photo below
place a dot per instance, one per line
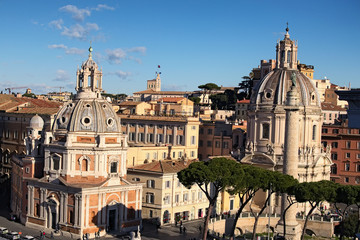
(36, 122)
(274, 86)
(88, 111)
(90, 115)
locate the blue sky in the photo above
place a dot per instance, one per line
(194, 42)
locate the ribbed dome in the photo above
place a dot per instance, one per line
(36, 122)
(273, 88)
(90, 115)
(89, 63)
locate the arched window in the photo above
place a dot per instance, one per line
(56, 161)
(84, 162)
(288, 56)
(314, 132)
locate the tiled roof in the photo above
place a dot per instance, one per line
(171, 99)
(150, 91)
(10, 103)
(164, 166)
(331, 107)
(129, 103)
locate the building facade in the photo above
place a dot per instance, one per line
(344, 143)
(74, 176)
(165, 198)
(160, 137)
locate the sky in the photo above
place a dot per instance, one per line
(42, 42)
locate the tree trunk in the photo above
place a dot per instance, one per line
(206, 222)
(283, 216)
(257, 217)
(237, 215)
(306, 220)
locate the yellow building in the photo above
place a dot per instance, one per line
(160, 137)
(165, 197)
(139, 108)
(174, 106)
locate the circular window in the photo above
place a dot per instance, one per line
(268, 95)
(313, 97)
(110, 122)
(87, 105)
(104, 106)
(86, 121)
(63, 119)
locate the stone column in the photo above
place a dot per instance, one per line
(65, 207)
(42, 201)
(81, 210)
(290, 163)
(164, 135)
(76, 210)
(155, 134)
(61, 212)
(174, 135)
(136, 133)
(146, 133)
(29, 200)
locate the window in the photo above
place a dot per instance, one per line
(347, 155)
(131, 136)
(209, 143)
(335, 131)
(164, 155)
(150, 137)
(193, 140)
(155, 155)
(358, 155)
(27, 170)
(358, 167)
(347, 167)
(174, 154)
(147, 156)
(199, 195)
(231, 204)
(225, 144)
(192, 154)
(334, 169)
(265, 130)
(358, 145)
(150, 183)
(185, 197)
(346, 179)
(357, 180)
(209, 131)
(334, 145)
(324, 143)
(167, 199)
(348, 144)
(151, 213)
(334, 156)
(314, 133)
(141, 137)
(324, 130)
(177, 198)
(56, 162)
(180, 154)
(167, 184)
(113, 168)
(201, 131)
(16, 134)
(288, 56)
(200, 143)
(150, 198)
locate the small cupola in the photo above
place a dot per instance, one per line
(286, 52)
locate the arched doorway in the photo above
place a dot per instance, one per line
(53, 214)
(166, 217)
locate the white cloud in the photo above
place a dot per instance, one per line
(75, 51)
(122, 75)
(137, 49)
(78, 31)
(61, 76)
(57, 46)
(103, 7)
(57, 24)
(116, 55)
(77, 14)
(92, 26)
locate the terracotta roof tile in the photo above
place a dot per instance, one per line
(164, 166)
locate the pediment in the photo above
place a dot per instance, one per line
(259, 159)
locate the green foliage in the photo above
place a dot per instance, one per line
(224, 101)
(209, 86)
(222, 172)
(246, 87)
(347, 194)
(30, 95)
(196, 100)
(348, 226)
(315, 191)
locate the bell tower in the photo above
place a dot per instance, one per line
(89, 79)
(286, 52)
